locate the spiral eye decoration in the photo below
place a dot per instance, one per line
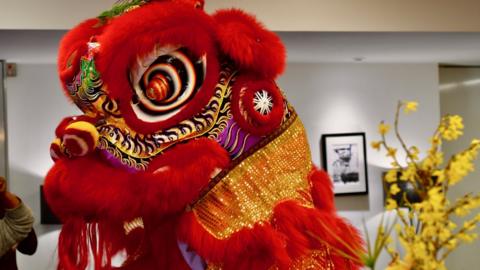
(168, 83)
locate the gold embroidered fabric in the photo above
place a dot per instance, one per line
(118, 138)
(316, 260)
(247, 194)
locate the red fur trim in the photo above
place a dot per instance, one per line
(243, 107)
(156, 245)
(163, 244)
(299, 223)
(257, 248)
(73, 246)
(90, 188)
(73, 46)
(79, 238)
(322, 190)
(136, 33)
(249, 43)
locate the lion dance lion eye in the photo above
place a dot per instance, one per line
(167, 84)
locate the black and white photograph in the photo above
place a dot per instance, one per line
(344, 158)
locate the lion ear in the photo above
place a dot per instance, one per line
(248, 43)
(73, 46)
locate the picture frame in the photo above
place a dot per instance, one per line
(344, 158)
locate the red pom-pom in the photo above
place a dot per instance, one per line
(257, 105)
(80, 138)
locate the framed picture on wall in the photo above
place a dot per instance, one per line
(344, 157)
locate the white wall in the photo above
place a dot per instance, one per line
(35, 105)
(461, 95)
(342, 98)
(3, 131)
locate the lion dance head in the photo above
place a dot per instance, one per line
(187, 154)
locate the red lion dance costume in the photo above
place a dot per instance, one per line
(187, 155)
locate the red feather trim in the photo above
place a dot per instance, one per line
(72, 246)
(253, 47)
(80, 239)
(322, 190)
(163, 245)
(295, 232)
(249, 249)
(136, 33)
(311, 229)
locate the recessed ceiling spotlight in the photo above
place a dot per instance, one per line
(359, 59)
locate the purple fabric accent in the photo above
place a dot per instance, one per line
(72, 87)
(236, 140)
(191, 257)
(116, 163)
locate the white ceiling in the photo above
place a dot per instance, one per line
(40, 46)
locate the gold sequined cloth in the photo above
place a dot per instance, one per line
(247, 194)
(316, 260)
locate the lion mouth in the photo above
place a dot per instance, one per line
(151, 167)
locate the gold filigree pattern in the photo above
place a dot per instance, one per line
(210, 121)
(133, 149)
(247, 194)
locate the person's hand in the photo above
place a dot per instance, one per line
(3, 187)
(7, 199)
